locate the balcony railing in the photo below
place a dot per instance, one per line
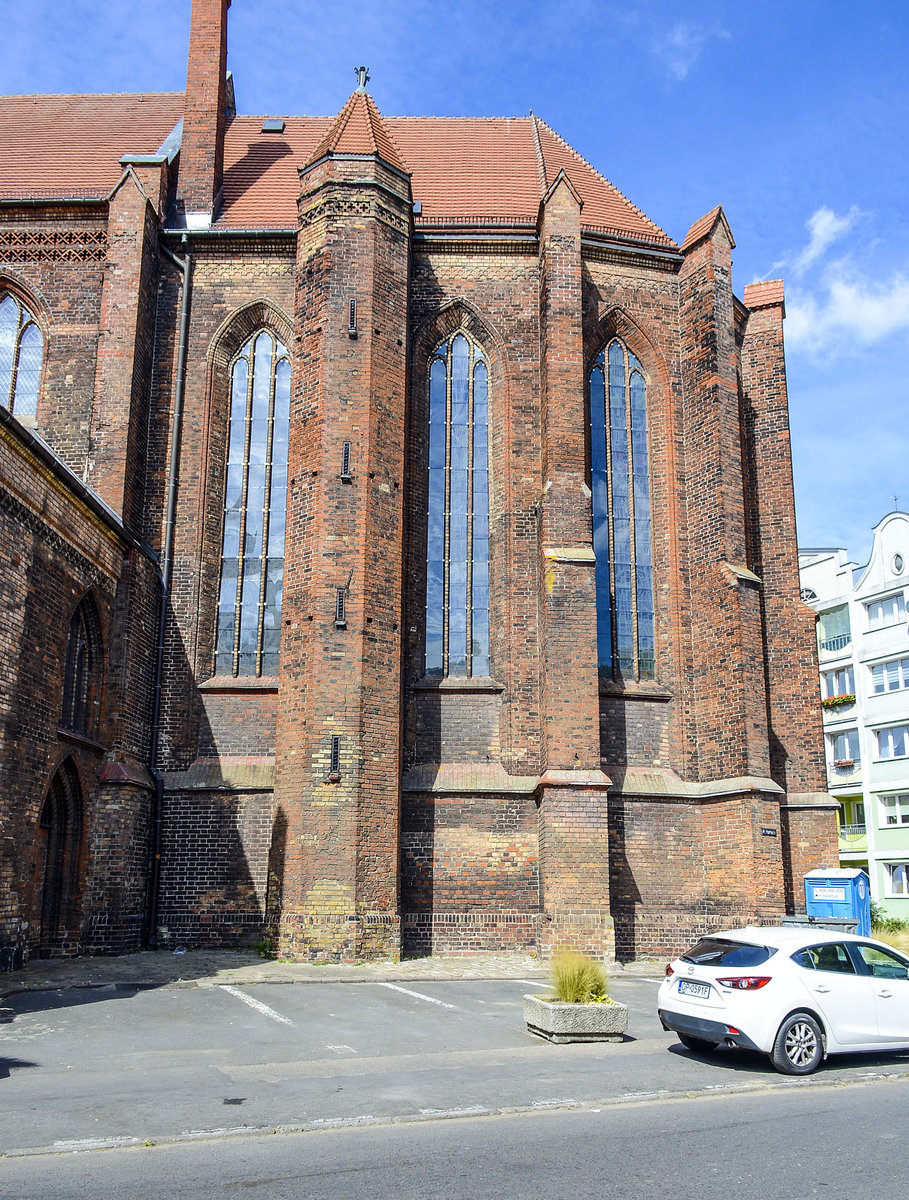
(834, 644)
(851, 833)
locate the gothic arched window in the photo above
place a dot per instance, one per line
(457, 545)
(21, 353)
(620, 482)
(255, 503)
(83, 663)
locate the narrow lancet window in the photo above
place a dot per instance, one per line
(252, 556)
(620, 486)
(457, 552)
(83, 661)
(21, 355)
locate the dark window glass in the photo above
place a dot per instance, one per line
(457, 534)
(255, 500)
(831, 956)
(83, 661)
(721, 952)
(884, 964)
(620, 487)
(21, 355)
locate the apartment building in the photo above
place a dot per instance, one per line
(863, 650)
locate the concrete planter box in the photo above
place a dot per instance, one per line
(575, 1022)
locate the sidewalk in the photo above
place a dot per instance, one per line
(207, 968)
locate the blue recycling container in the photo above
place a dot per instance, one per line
(840, 892)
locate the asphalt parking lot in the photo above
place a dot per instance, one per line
(126, 1065)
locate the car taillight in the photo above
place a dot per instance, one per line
(744, 983)
(669, 970)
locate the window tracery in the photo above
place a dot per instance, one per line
(457, 552)
(255, 503)
(620, 486)
(21, 357)
(83, 662)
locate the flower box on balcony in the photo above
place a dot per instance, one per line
(844, 764)
(838, 701)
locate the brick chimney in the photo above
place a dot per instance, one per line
(205, 113)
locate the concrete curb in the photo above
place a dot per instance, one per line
(211, 968)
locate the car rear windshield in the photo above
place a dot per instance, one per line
(721, 952)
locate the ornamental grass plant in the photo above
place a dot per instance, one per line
(577, 979)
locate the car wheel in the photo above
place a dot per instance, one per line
(799, 1046)
(695, 1043)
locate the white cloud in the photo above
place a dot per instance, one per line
(853, 310)
(681, 48)
(825, 228)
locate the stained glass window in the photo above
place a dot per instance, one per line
(457, 550)
(21, 354)
(255, 502)
(620, 486)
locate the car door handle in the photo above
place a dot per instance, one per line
(885, 995)
(822, 988)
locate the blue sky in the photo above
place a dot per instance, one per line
(791, 113)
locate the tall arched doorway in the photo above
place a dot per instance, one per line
(59, 843)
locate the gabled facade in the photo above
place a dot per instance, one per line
(472, 499)
(864, 670)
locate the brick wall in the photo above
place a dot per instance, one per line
(469, 873)
(54, 550)
(215, 856)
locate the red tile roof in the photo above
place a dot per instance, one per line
(71, 145)
(359, 129)
(605, 209)
(465, 171)
(703, 226)
(768, 294)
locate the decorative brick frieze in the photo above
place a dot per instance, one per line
(53, 245)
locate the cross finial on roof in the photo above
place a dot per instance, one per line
(362, 74)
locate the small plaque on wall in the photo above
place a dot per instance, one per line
(768, 831)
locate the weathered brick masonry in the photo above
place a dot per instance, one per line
(355, 804)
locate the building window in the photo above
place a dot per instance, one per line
(80, 679)
(843, 748)
(890, 611)
(457, 542)
(21, 353)
(833, 630)
(893, 742)
(255, 502)
(896, 877)
(895, 809)
(620, 485)
(890, 676)
(838, 683)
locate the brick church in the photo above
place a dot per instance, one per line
(397, 547)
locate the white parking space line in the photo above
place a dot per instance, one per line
(256, 1004)
(532, 982)
(420, 996)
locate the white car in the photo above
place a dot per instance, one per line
(795, 993)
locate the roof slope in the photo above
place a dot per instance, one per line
(71, 145)
(605, 208)
(468, 171)
(464, 171)
(359, 129)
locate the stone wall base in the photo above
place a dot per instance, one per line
(318, 937)
(470, 932)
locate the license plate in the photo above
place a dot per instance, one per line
(688, 988)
